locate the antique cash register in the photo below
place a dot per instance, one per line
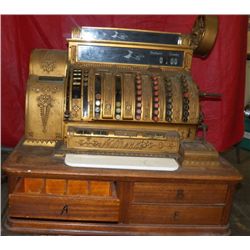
(111, 146)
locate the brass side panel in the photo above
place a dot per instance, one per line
(128, 96)
(45, 62)
(44, 110)
(108, 94)
(146, 98)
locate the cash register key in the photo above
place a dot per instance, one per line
(138, 105)
(156, 105)
(138, 81)
(156, 99)
(118, 117)
(138, 77)
(138, 111)
(154, 78)
(97, 109)
(139, 92)
(137, 117)
(138, 98)
(155, 118)
(118, 104)
(139, 87)
(97, 102)
(169, 100)
(156, 93)
(156, 87)
(156, 112)
(169, 106)
(155, 82)
(98, 96)
(118, 110)
(169, 112)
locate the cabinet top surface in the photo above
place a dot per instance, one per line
(37, 161)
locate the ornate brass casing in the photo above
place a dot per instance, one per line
(117, 91)
(45, 97)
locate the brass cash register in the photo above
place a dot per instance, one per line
(110, 145)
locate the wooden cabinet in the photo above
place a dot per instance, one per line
(47, 197)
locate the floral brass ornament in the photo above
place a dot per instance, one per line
(45, 104)
(75, 111)
(128, 107)
(48, 63)
(107, 107)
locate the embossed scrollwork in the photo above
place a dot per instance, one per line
(44, 103)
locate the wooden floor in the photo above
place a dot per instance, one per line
(240, 217)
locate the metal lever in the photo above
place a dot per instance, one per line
(210, 95)
(203, 126)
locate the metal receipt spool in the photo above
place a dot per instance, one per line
(204, 34)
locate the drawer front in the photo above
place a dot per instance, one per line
(162, 214)
(179, 193)
(64, 207)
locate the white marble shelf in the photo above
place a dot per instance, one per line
(121, 162)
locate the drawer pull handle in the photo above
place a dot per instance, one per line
(180, 194)
(65, 210)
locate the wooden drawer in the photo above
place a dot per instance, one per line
(52, 203)
(179, 193)
(186, 215)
